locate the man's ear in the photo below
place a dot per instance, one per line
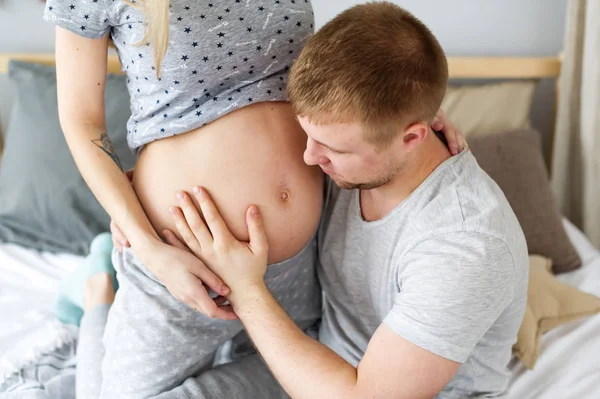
(414, 135)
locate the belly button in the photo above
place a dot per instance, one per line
(284, 195)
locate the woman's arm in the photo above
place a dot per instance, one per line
(81, 77)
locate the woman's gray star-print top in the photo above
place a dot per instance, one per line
(222, 56)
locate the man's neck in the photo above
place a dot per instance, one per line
(378, 202)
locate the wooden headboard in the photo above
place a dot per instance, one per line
(459, 68)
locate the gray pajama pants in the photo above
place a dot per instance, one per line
(150, 345)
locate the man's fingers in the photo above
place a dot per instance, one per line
(256, 231)
(213, 218)
(184, 230)
(194, 220)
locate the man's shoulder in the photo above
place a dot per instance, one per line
(463, 201)
(462, 197)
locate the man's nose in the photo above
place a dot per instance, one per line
(311, 156)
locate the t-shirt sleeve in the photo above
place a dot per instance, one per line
(86, 18)
(451, 291)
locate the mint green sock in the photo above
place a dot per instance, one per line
(69, 307)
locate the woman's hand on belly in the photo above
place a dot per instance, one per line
(183, 274)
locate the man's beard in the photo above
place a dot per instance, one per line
(368, 185)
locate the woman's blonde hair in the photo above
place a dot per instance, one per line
(156, 22)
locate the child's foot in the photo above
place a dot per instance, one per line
(99, 290)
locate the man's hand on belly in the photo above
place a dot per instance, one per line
(239, 264)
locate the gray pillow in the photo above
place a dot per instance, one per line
(44, 202)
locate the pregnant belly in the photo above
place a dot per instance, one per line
(251, 156)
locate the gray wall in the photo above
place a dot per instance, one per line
(464, 27)
(22, 29)
(480, 27)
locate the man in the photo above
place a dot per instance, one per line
(422, 262)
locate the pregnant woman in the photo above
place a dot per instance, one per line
(208, 102)
(209, 108)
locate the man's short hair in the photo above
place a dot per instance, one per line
(375, 64)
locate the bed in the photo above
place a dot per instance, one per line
(28, 290)
(569, 364)
(566, 367)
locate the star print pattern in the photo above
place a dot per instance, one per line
(238, 52)
(151, 332)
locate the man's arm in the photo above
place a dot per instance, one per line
(453, 289)
(392, 366)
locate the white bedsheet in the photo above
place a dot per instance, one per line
(568, 367)
(28, 286)
(569, 362)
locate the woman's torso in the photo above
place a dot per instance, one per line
(216, 117)
(251, 156)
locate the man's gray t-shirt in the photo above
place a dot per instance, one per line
(447, 270)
